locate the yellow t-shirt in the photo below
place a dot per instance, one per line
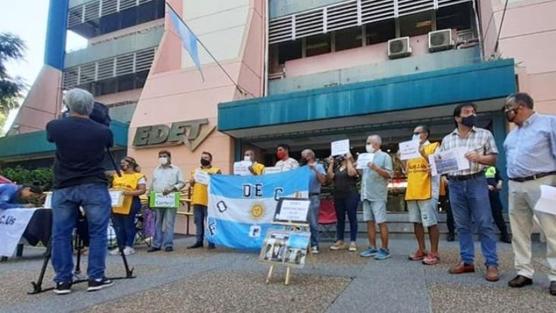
(419, 185)
(126, 182)
(258, 168)
(200, 191)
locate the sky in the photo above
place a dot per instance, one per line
(28, 20)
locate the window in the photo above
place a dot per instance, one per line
(416, 24)
(319, 44)
(380, 31)
(289, 50)
(455, 17)
(348, 38)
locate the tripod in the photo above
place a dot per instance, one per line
(78, 242)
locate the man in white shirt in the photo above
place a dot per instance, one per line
(285, 163)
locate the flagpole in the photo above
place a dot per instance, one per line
(241, 90)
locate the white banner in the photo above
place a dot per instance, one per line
(12, 225)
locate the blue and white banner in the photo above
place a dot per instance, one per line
(241, 208)
(12, 226)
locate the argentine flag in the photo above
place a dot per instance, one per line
(241, 208)
(188, 38)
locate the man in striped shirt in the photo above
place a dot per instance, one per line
(469, 190)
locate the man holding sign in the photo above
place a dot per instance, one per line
(167, 179)
(469, 190)
(199, 198)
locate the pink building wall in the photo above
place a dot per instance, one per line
(528, 35)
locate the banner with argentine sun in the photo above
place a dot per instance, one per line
(241, 208)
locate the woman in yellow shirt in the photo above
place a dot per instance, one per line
(133, 184)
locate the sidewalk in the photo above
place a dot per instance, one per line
(228, 281)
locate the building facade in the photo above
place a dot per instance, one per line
(310, 72)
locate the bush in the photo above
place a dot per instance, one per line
(41, 176)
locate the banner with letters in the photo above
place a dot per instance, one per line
(12, 225)
(241, 208)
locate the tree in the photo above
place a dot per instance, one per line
(11, 88)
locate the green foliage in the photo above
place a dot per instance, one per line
(42, 176)
(11, 88)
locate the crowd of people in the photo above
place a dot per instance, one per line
(530, 149)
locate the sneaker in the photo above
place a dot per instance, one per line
(382, 254)
(98, 284)
(431, 259)
(315, 250)
(352, 247)
(62, 288)
(418, 255)
(115, 251)
(369, 252)
(129, 251)
(339, 245)
(169, 249)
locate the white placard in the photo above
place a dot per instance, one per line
(339, 147)
(547, 201)
(293, 210)
(48, 200)
(241, 168)
(409, 150)
(272, 170)
(12, 225)
(201, 177)
(448, 161)
(363, 160)
(117, 198)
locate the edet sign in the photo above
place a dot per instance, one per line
(191, 133)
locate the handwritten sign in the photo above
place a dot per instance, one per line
(241, 168)
(292, 211)
(201, 177)
(339, 147)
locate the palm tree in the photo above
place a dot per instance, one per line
(11, 88)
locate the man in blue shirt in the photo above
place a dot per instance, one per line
(16, 196)
(79, 181)
(531, 156)
(318, 177)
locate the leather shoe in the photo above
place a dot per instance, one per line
(552, 288)
(462, 268)
(196, 245)
(153, 249)
(168, 249)
(451, 237)
(520, 281)
(492, 273)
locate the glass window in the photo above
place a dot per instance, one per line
(348, 38)
(454, 17)
(289, 50)
(319, 44)
(380, 31)
(416, 24)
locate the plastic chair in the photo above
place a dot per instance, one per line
(327, 219)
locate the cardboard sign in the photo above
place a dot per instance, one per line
(159, 200)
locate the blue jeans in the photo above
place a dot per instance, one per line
(124, 225)
(347, 204)
(95, 200)
(164, 220)
(314, 209)
(199, 215)
(469, 201)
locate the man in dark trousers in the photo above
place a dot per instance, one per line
(494, 181)
(79, 181)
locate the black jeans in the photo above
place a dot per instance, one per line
(496, 207)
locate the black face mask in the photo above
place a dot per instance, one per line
(469, 121)
(303, 162)
(205, 162)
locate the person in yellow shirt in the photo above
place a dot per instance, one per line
(422, 198)
(199, 199)
(256, 168)
(133, 184)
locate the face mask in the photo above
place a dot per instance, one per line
(416, 137)
(163, 160)
(205, 162)
(303, 161)
(469, 121)
(246, 158)
(280, 155)
(370, 149)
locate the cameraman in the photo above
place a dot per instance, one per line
(79, 180)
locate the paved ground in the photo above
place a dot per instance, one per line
(227, 281)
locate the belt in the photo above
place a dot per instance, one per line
(466, 177)
(314, 194)
(528, 178)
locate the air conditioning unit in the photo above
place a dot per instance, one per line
(399, 48)
(441, 40)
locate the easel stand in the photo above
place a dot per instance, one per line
(37, 286)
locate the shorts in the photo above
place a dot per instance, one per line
(374, 211)
(423, 212)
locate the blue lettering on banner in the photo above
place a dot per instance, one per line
(222, 207)
(277, 192)
(7, 219)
